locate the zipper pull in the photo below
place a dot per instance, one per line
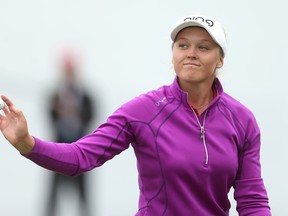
(202, 132)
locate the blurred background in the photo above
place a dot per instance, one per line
(123, 49)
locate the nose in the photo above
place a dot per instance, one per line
(192, 53)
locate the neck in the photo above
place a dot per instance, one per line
(200, 99)
(199, 94)
(202, 105)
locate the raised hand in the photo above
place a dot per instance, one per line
(13, 126)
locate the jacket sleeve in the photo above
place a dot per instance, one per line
(90, 151)
(250, 192)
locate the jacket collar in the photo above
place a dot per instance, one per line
(181, 95)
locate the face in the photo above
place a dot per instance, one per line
(196, 56)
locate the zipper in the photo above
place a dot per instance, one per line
(202, 135)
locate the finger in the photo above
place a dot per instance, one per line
(7, 100)
(5, 108)
(9, 105)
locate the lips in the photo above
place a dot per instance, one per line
(192, 64)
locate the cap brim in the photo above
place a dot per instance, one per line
(180, 27)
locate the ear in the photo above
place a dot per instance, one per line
(220, 63)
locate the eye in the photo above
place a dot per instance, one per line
(203, 48)
(183, 45)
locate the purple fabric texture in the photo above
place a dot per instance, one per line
(186, 164)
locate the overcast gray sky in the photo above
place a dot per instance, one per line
(124, 49)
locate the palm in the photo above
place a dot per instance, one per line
(13, 127)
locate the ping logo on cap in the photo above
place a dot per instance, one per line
(209, 22)
(212, 26)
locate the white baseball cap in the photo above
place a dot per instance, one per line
(212, 26)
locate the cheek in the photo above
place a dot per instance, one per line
(175, 62)
(175, 58)
(211, 63)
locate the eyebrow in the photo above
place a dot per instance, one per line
(204, 40)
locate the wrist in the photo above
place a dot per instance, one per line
(26, 145)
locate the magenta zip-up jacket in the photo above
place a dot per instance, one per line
(186, 164)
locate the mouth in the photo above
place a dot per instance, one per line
(191, 64)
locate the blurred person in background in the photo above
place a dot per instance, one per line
(71, 111)
(193, 141)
